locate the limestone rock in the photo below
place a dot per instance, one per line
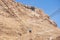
(21, 22)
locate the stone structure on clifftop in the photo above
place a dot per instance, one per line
(21, 22)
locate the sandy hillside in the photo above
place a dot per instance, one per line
(22, 22)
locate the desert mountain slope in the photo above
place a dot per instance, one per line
(22, 22)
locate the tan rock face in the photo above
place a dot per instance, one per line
(20, 22)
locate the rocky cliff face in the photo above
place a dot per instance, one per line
(21, 22)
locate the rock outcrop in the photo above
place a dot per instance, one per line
(21, 22)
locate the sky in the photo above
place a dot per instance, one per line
(50, 7)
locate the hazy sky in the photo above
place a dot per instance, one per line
(49, 7)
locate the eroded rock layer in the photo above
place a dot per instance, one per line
(21, 22)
